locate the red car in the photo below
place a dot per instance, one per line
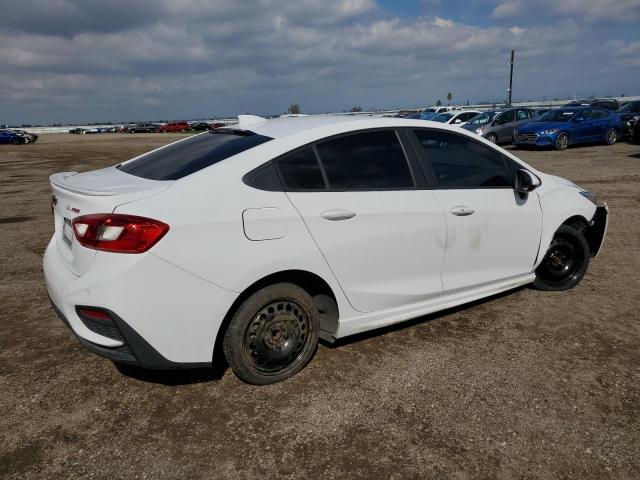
(174, 127)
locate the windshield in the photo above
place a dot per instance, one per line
(428, 110)
(189, 156)
(559, 115)
(631, 107)
(482, 118)
(442, 117)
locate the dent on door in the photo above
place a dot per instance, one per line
(267, 223)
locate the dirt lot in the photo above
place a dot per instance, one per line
(526, 385)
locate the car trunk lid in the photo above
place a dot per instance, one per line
(99, 191)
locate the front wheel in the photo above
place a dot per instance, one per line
(611, 137)
(565, 262)
(273, 334)
(562, 142)
(492, 137)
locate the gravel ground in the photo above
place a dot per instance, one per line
(525, 385)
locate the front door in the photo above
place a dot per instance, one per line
(492, 232)
(383, 238)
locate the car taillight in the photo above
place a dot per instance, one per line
(113, 232)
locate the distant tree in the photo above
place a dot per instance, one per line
(623, 95)
(294, 109)
(438, 103)
(449, 97)
(467, 102)
(356, 108)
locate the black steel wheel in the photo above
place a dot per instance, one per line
(273, 334)
(565, 262)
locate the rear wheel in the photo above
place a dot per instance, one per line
(565, 262)
(562, 142)
(273, 334)
(611, 137)
(15, 142)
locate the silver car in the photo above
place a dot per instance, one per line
(497, 126)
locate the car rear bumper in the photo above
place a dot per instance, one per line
(161, 315)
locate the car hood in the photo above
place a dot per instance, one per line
(533, 127)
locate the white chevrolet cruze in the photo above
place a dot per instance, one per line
(250, 242)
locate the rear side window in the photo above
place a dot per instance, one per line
(189, 156)
(460, 162)
(300, 171)
(363, 161)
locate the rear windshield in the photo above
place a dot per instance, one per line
(189, 156)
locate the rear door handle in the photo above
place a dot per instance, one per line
(462, 211)
(336, 214)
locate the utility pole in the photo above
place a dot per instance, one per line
(511, 76)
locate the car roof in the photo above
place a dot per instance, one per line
(320, 126)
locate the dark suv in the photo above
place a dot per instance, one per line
(606, 103)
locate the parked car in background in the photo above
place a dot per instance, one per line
(28, 136)
(404, 113)
(76, 131)
(200, 126)
(455, 118)
(330, 226)
(8, 137)
(566, 126)
(173, 127)
(214, 125)
(629, 115)
(633, 130)
(429, 112)
(144, 128)
(606, 103)
(502, 124)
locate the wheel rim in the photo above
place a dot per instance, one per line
(492, 138)
(563, 141)
(277, 336)
(611, 137)
(562, 262)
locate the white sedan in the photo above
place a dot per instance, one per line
(252, 241)
(455, 118)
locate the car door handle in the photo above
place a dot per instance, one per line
(462, 211)
(337, 214)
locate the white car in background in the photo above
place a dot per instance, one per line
(454, 118)
(256, 239)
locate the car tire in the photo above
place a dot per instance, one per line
(15, 142)
(565, 262)
(492, 137)
(272, 335)
(611, 137)
(26, 140)
(562, 142)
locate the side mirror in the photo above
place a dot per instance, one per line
(526, 181)
(457, 120)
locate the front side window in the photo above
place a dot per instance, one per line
(186, 157)
(460, 162)
(364, 161)
(507, 117)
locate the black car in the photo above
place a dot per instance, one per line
(629, 115)
(200, 126)
(144, 128)
(28, 137)
(606, 103)
(76, 131)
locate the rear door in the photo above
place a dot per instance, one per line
(492, 232)
(382, 236)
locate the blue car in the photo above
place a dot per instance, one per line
(566, 126)
(9, 137)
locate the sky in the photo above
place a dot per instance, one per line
(76, 61)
